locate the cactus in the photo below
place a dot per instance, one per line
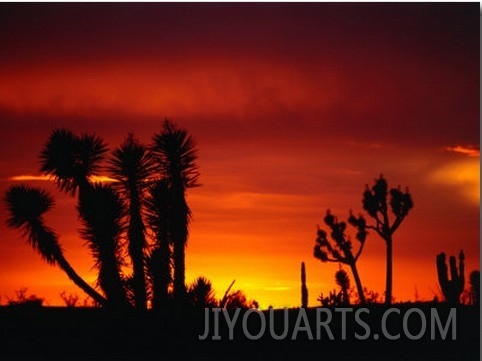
(304, 289)
(474, 280)
(453, 288)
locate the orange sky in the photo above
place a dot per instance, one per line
(294, 108)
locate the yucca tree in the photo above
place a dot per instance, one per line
(159, 219)
(131, 165)
(26, 206)
(102, 215)
(378, 202)
(175, 154)
(339, 248)
(71, 160)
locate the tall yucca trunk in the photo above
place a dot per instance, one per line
(160, 217)
(137, 242)
(179, 234)
(101, 212)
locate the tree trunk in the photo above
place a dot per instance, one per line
(179, 234)
(359, 287)
(161, 274)
(179, 273)
(388, 286)
(136, 252)
(67, 268)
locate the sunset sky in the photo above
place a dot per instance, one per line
(294, 107)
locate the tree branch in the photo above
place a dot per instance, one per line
(396, 224)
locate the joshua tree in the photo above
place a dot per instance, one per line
(453, 288)
(102, 214)
(71, 160)
(26, 206)
(304, 289)
(132, 167)
(339, 249)
(175, 154)
(377, 205)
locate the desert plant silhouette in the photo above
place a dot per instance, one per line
(338, 248)
(452, 288)
(131, 166)
(377, 205)
(474, 280)
(201, 294)
(102, 217)
(174, 154)
(159, 261)
(146, 188)
(26, 206)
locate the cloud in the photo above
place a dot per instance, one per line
(463, 176)
(470, 150)
(28, 177)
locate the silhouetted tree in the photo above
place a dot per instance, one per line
(26, 205)
(175, 154)
(377, 205)
(339, 248)
(132, 167)
(102, 214)
(149, 188)
(71, 160)
(452, 288)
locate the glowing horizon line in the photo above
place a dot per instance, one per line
(29, 177)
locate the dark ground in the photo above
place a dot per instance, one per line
(83, 333)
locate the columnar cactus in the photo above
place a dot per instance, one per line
(304, 289)
(453, 288)
(474, 280)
